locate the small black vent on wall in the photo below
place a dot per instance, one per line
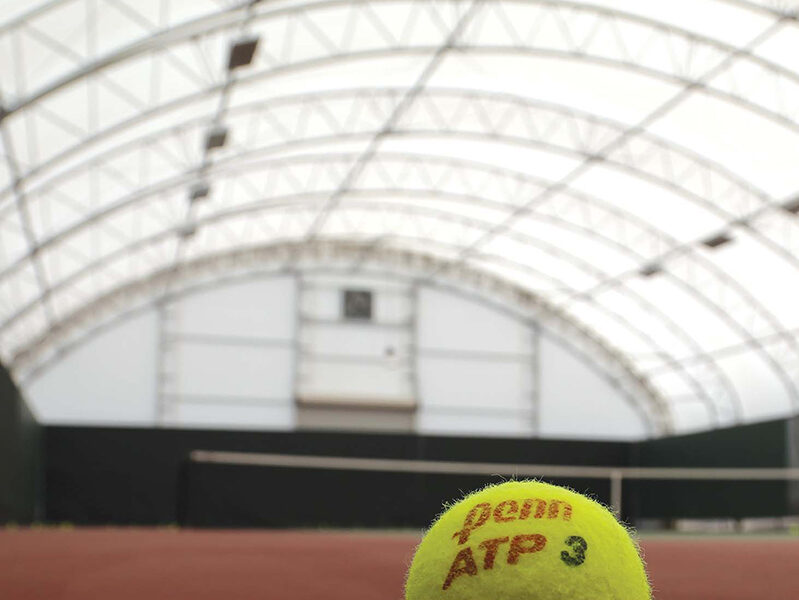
(358, 305)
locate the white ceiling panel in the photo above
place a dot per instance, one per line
(630, 165)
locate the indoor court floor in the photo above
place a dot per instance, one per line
(127, 564)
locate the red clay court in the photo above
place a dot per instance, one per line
(127, 564)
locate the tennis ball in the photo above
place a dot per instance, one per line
(527, 540)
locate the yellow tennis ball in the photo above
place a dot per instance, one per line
(527, 540)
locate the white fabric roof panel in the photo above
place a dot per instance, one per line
(630, 166)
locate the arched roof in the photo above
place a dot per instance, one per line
(627, 167)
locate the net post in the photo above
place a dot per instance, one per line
(615, 491)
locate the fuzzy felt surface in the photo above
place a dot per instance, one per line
(527, 540)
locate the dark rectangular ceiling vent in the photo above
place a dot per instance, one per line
(651, 269)
(199, 190)
(241, 53)
(792, 206)
(216, 137)
(187, 230)
(717, 240)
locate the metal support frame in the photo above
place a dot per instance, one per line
(413, 350)
(655, 237)
(705, 183)
(635, 228)
(625, 146)
(166, 361)
(555, 252)
(679, 249)
(202, 168)
(297, 348)
(300, 323)
(583, 53)
(536, 373)
(406, 100)
(231, 17)
(20, 207)
(473, 295)
(613, 365)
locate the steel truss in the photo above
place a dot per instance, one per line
(690, 268)
(473, 184)
(331, 255)
(481, 208)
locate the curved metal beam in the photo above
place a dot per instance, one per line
(580, 54)
(232, 16)
(176, 104)
(222, 279)
(48, 5)
(312, 101)
(767, 203)
(290, 204)
(769, 243)
(711, 168)
(701, 201)
(777, 328)
(559, 3)
(652, 24)
(624, 218)
(411, 262)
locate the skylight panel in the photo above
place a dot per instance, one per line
(754, 148)
(782, 48)
(740, 23)
(745, 263)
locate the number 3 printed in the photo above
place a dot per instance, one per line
(578, 546)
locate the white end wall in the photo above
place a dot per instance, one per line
(239, 356)
(109, 380)
(228, 356)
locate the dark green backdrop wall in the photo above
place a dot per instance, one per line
(765, 444)
(20, 443)
(142, 476)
